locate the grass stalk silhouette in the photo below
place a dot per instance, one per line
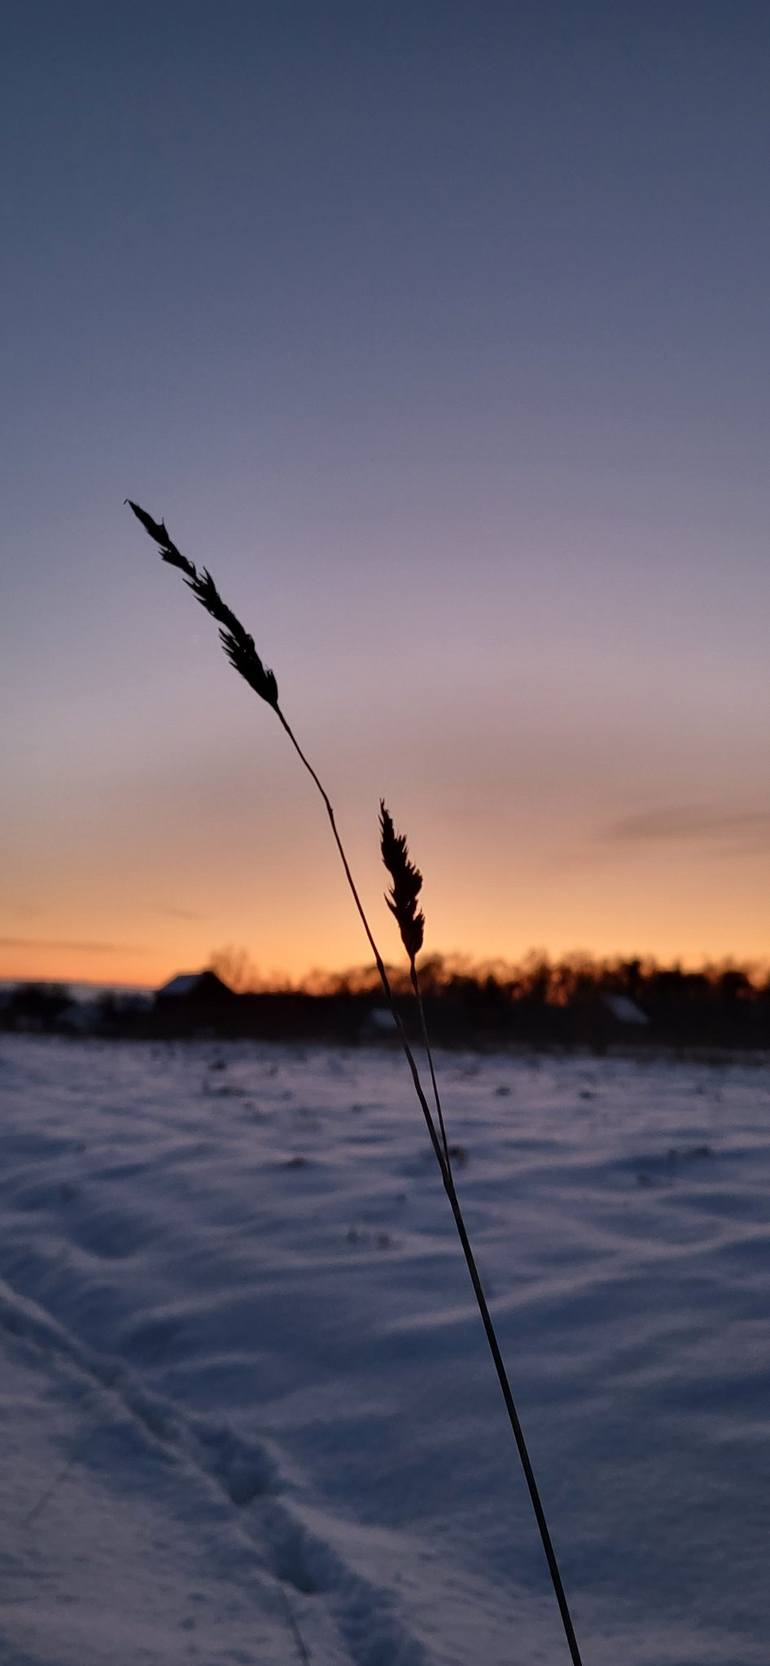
(402, 902)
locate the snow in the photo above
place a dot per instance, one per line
(247, 1408)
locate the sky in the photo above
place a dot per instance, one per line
(440, 334)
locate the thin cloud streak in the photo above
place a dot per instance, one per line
(57, 943)
(750, 829)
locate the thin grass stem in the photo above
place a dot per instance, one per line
(441, 1152)
(518, 1432)
(415, 977)
(379, 962)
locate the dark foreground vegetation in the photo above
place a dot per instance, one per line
(570, 1003)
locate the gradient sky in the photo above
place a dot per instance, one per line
(440, 332)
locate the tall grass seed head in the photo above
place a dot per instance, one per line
(238, 645)
(406, 887)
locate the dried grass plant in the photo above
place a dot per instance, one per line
(402, 900)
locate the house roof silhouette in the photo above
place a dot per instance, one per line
(195, 987)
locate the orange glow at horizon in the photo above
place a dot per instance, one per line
(151, 842)
(663, 904)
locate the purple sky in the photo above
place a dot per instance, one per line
(440, 333)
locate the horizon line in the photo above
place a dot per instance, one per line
(456, 963)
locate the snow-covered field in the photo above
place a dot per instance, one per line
(247, 1411)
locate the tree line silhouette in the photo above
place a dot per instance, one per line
(567, 1002)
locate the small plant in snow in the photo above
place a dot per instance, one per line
(402, 900)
